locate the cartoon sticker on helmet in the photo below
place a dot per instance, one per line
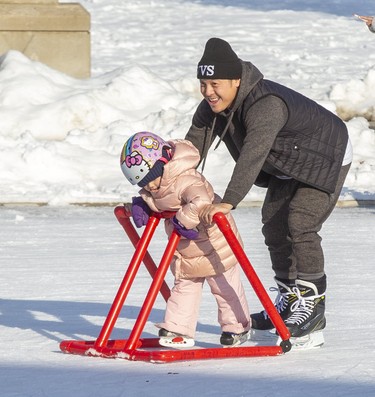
(149, 142)
(139, 166)
(133, 159)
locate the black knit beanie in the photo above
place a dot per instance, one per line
(219, 61)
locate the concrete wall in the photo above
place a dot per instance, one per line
(46, 31)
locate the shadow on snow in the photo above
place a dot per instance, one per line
(72, 319)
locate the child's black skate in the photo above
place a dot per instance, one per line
(230, 339)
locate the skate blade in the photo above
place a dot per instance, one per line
(269, 335)
(270, 338)
(179, 342)
(307, 342)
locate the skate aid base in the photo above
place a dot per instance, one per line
(148, 349)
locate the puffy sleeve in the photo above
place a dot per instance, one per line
(194, 196)
(147, 197)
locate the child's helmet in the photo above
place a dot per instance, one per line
(139, 154)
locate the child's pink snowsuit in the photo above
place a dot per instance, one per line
(209, 258)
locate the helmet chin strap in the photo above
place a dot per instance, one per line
(167, 155)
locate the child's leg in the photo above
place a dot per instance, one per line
(182, 310)
(233, 310)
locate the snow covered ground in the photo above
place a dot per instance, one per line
(60, 140)
(61, 268)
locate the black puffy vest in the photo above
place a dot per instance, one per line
(311, 146)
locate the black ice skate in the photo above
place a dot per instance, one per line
(304, 317)
(229, 339)
(283, 302)
(307, 320)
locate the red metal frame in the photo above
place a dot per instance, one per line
(137, 348)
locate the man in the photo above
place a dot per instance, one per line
(295, 148)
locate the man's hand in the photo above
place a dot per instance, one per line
(207, 213)
(366, 19)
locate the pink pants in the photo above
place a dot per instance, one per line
(182, 311)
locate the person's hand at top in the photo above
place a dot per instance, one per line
(207, 213)
(367, 19)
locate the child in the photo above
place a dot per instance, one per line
(166, 173)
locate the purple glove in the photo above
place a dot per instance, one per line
(140, 211)
(190, 234)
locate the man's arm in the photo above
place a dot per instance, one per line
(263, 121)
(368, 20)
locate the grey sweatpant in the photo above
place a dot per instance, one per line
(293, 213)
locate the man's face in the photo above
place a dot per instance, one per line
(219, 94)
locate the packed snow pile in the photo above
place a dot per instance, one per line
(356, 97)
(61, 137)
